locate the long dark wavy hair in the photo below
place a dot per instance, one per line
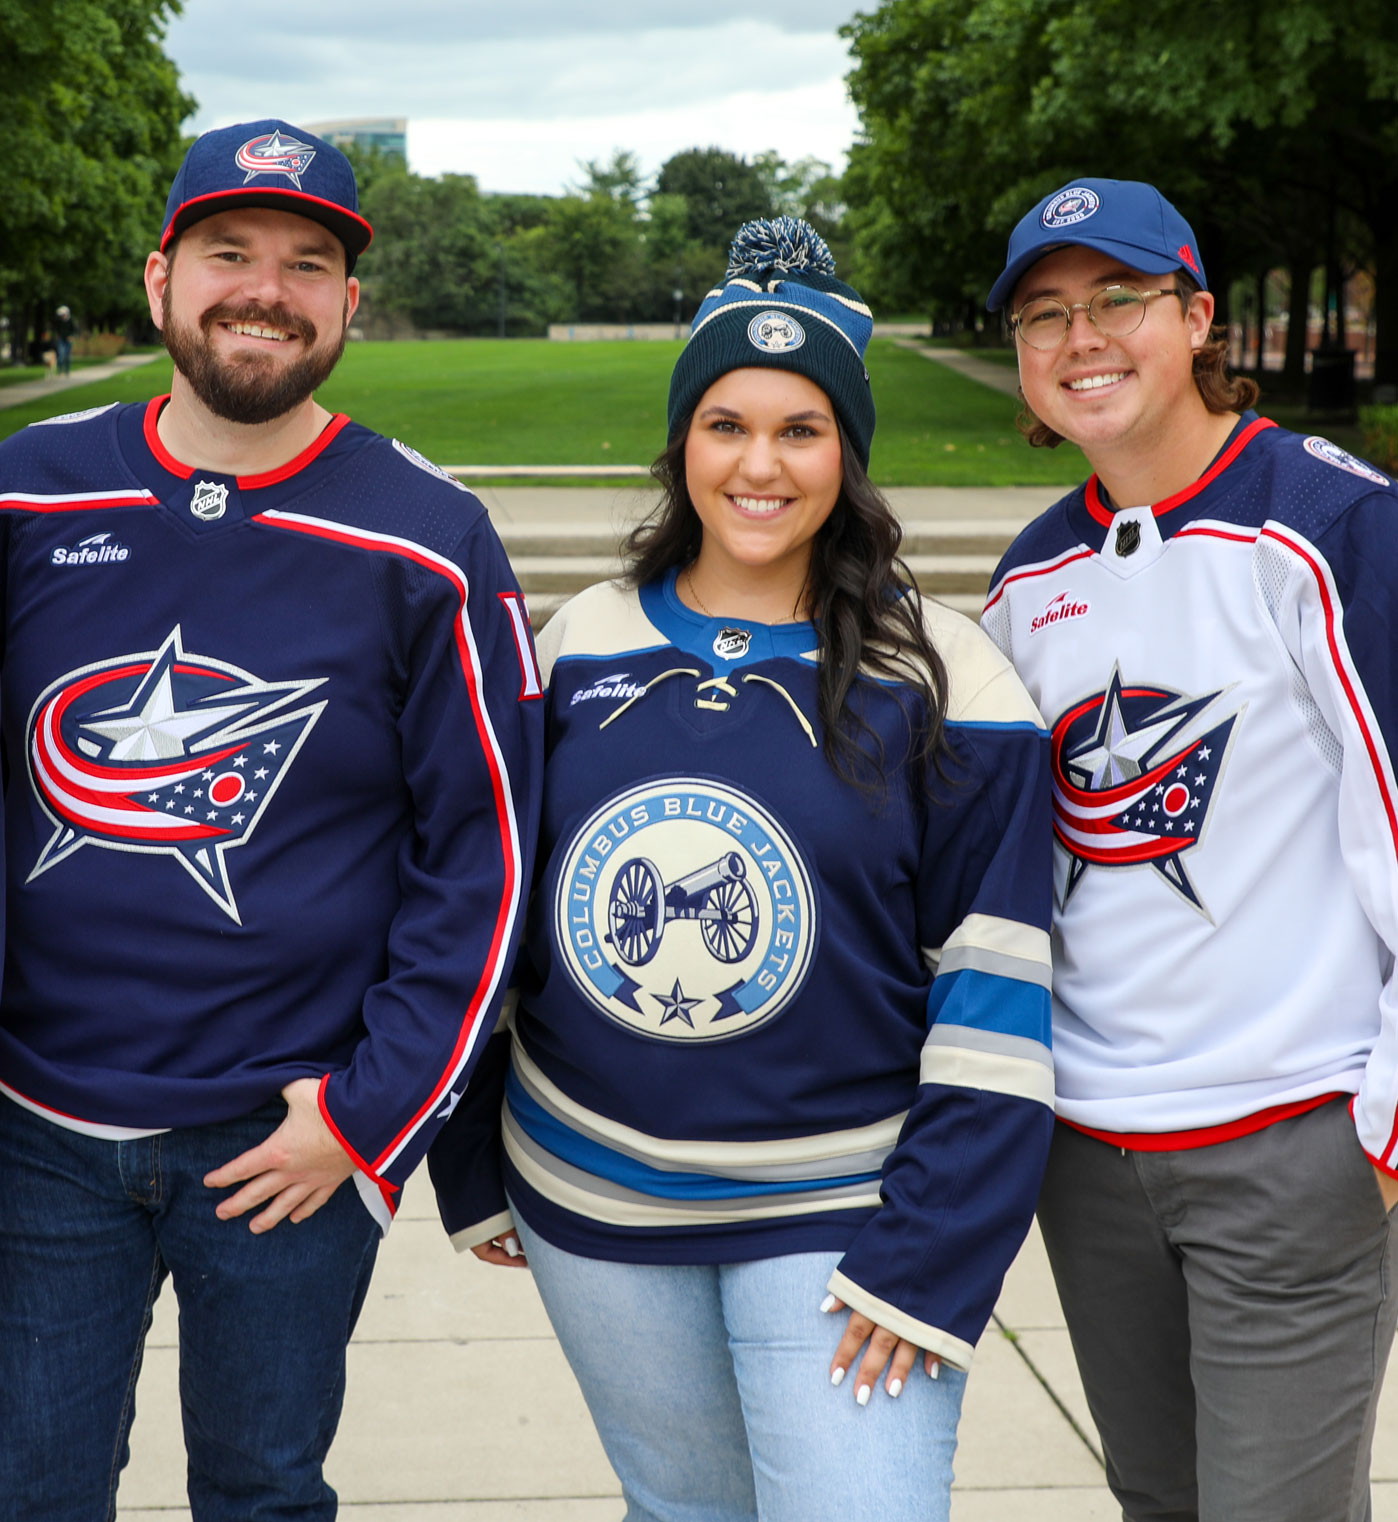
(865, 602)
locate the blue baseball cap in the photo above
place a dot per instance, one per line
(268, 163)
(1127, 219)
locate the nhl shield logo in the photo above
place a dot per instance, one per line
(684, 912)
(1128, 537)
(731, 644)
(210, 500)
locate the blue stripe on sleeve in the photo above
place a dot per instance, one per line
(987, 1002)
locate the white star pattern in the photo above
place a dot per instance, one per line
(156, 731)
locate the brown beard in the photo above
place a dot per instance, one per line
(248, 389)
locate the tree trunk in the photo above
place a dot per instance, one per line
(1261, 322)
(1386, 304)
(1298, 305)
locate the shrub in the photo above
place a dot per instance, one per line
(1380, 425)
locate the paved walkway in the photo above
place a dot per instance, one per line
(50, 385)
(462, 1409)
(998, 377)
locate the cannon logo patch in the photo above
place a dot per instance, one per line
(684, 912)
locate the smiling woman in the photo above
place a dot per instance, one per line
(782, 790)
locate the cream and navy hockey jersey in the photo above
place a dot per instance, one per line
(272, 753)
(1219, 673)
(762, 1011)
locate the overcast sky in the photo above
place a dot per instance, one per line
(517, 91)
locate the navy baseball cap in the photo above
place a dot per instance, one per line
(1127, 219)
(268, 163)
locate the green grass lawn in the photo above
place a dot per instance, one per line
(531, 402)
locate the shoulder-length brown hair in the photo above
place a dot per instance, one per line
(1221, 390)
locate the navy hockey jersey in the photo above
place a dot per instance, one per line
(1219, 672)
(271, 750)
(761, 1011)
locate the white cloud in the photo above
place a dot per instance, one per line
(518, 93)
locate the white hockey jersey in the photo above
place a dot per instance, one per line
(1220, 676)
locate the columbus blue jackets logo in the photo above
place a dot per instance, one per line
(274, 154)
(1134, 772)
(166, 753)
(684, 912)
(1069, 206)
(775, 333)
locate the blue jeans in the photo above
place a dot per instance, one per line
(710, 1389)
(89, 1231)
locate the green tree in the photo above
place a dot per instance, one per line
(93, 111)
(1256, 119)
(720, 191)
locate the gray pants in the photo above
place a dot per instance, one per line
(1231, 1314)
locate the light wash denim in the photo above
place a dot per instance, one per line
(710, 1389)
(91, 1230)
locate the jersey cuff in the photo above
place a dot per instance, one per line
(482, 1231)
(951, 1350)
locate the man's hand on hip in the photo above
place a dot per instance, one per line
(294, 1171)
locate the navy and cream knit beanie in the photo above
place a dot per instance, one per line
(780, 306)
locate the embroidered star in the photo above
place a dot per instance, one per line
(674, 1005)
(1204, 752)
(240, 761)
(260, 773)
(271, 747)
(237, 819)
(453, 1099)
(151, 727)
(179, 787)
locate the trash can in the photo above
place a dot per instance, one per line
(1330, 386)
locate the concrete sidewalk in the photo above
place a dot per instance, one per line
(51, 385)
(461, 1407)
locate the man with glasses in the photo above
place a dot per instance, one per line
(1208, 625)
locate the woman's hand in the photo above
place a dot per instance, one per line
(503, 1250)
(885, 1348)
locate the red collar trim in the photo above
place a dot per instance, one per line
(178, 468)
(1102, 515)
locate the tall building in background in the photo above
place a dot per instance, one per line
(389, 134)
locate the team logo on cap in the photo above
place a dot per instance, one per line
(684, 912)
(165, 753)
(274, 154)
(775, 333)
(1069, 206)
(1332, 454)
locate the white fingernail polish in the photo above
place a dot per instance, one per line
(511, 1248)
(896, 1388)
(836, 1376)
(862, 1395)
(936, 1371)
(828, 1304)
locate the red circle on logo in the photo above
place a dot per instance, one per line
(226, 789)
(1176, 799)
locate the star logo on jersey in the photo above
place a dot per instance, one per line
(1135, 770)
(164, 753)
(274, 154)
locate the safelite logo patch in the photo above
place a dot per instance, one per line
(1059, 610)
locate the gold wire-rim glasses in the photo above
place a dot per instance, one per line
(1112, 316)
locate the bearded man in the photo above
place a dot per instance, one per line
(271, 774)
